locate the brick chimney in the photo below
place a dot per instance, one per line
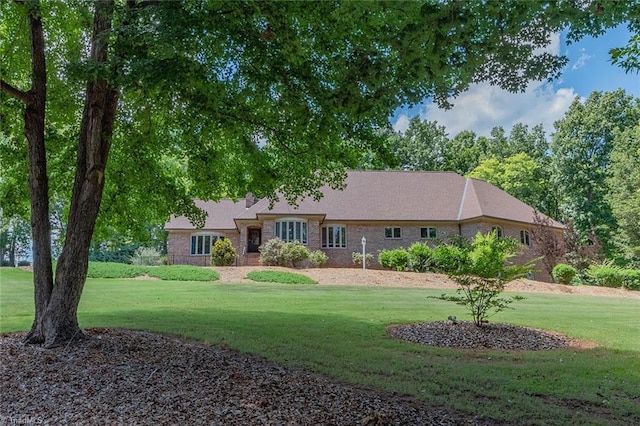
(250, 200)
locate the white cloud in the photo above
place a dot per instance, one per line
(402, 123)
(582, 61)
(484, 107)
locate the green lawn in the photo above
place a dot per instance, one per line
(340, 331)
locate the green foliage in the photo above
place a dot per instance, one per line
(182, 273)
(293, 253)
(449, 259)
(356, 257)
(420, 257)
(318, 258)
(114, 270)
(396, 259)
(563, 273)
(480, 296)
(624, 181)
(271, 253)
(223, 253)
(628, 57)
(113, 253)
(482, 277)
(631, 279)
(518, 175)
(282, 277)
(609, 274)
(276, 252)
(148, 256)
(581, 152)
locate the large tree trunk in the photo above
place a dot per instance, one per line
(34, 116)
(59, 324)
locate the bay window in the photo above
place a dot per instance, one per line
(290, 230)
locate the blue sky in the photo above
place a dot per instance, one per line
(484, 107)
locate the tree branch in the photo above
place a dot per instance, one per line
(14, 92)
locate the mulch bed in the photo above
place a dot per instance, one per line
(466, 335)
(139, 378)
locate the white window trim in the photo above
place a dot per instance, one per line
(392, 232)
(525, 238)
(324, 237)
(499, 231)
(303, 238)
(213, 236)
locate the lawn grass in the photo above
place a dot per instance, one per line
(282, 277)
(164, 272)
(340, 331)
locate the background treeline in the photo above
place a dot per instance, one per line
(586, 174)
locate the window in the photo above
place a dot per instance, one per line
(429, 232)
(498, 231)
(334, 236)
(291, 230)
(393, 232)
(524, 238)
(201, 243)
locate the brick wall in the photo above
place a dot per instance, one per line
(179, 247)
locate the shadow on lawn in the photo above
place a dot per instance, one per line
(552, 387)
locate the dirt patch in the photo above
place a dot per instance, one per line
(382, 278)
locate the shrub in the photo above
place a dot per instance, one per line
(631, 279)
(608, 274)
(147, 256)
(449, 259)
(357, 258)
(420, 257)
(271, 253)
(317, 258)
(294, 253)
(282, 277)
(563, 273)
(223, 253)
(483, 274)
(397, 259)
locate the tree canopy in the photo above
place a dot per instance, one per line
(207, 99)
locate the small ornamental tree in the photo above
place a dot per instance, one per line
(223, 253)
(482, 277)
(547, 242)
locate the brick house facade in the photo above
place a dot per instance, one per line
(390, 209)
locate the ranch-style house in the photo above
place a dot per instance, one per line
(389, 208)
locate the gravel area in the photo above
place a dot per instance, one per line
(138, 378)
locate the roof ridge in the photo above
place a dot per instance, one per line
(464, 197)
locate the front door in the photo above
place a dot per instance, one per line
(255, 238)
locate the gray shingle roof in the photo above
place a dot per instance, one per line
(394, 196)
(220, 215)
